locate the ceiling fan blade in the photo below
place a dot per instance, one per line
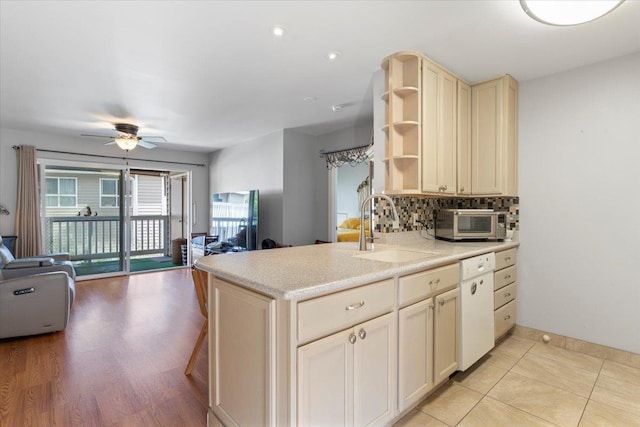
(97, 136)
(146, 144)
(154, 138)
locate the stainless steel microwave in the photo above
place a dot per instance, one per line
(470, 224)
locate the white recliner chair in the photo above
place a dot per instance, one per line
(36, 294)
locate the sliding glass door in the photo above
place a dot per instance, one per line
(84, 215)
(114, 220)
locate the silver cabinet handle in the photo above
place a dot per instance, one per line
(507, 295)
(441, 302)
(461, 189)
(354, 306)
(352, 338)
(508, 276)
(482, 282)
(434, 282)
(507, 317)
(362, 334)
(507, 258)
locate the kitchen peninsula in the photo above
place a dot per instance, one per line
(321, 334)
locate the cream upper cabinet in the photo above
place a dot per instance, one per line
(494, 155)
(464, 138)
(348, 378)
(439, 129)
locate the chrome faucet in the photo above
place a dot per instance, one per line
(363, 238)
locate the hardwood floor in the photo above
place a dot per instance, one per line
(119, 362)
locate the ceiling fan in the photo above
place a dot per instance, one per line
(128, 138)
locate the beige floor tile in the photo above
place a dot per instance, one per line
(617, 393)
(500, 359)
(451, 403)
(416, 418)
(557, 374)
(481, 377)
(577, 360)
(514, 345)
(621, 372)
(598, 414)
(550, 403)
(490, 412)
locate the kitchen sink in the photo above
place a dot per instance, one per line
(395, 255)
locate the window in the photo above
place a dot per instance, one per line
(61, 192)
(109, 197)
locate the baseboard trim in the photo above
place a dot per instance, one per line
(603, 352)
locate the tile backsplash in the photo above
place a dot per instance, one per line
(424, 206)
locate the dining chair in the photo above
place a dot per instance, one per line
(200, 281)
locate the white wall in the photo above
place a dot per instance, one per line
(579, 161)
(298, 208)
(8, 166)
(256, 164)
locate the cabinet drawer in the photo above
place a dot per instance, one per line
(506, 258)
(504, 277)
(416, 287)
(504, 295)
(505, 318)
(324, 315)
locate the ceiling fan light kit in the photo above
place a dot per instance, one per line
(127, 143)
(568, 12)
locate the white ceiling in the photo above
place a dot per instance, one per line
(210, 74)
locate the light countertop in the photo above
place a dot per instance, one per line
(303, 272)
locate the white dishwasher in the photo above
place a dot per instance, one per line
(476, 308)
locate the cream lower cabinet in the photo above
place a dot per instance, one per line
(428, 332)
(242, 347)
(348, 378)
(504, 295)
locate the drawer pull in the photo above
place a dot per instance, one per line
(352, 338)
(441, 302)
(354, 306)
(507, 317)
(432, 282)
(362, 334)
(508, 276)
(507, 258)
(507, 295)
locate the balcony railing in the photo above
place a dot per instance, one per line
(98, 237)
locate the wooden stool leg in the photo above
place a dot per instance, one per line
(196, 348)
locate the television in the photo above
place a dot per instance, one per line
(234, 219)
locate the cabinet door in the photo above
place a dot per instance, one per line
(447, 131)
(486, 162)
(446, 335)
(464, 138)
(415, 352)
(325, 381)
(374, 365)
(430, 121)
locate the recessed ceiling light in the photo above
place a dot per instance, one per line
(333, 55)
(279, 30)
(568, 12)
(336, 108)
(310, 98)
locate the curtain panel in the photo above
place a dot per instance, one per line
(27, 223)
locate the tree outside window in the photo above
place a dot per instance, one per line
(61, 192)
(109, 197)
